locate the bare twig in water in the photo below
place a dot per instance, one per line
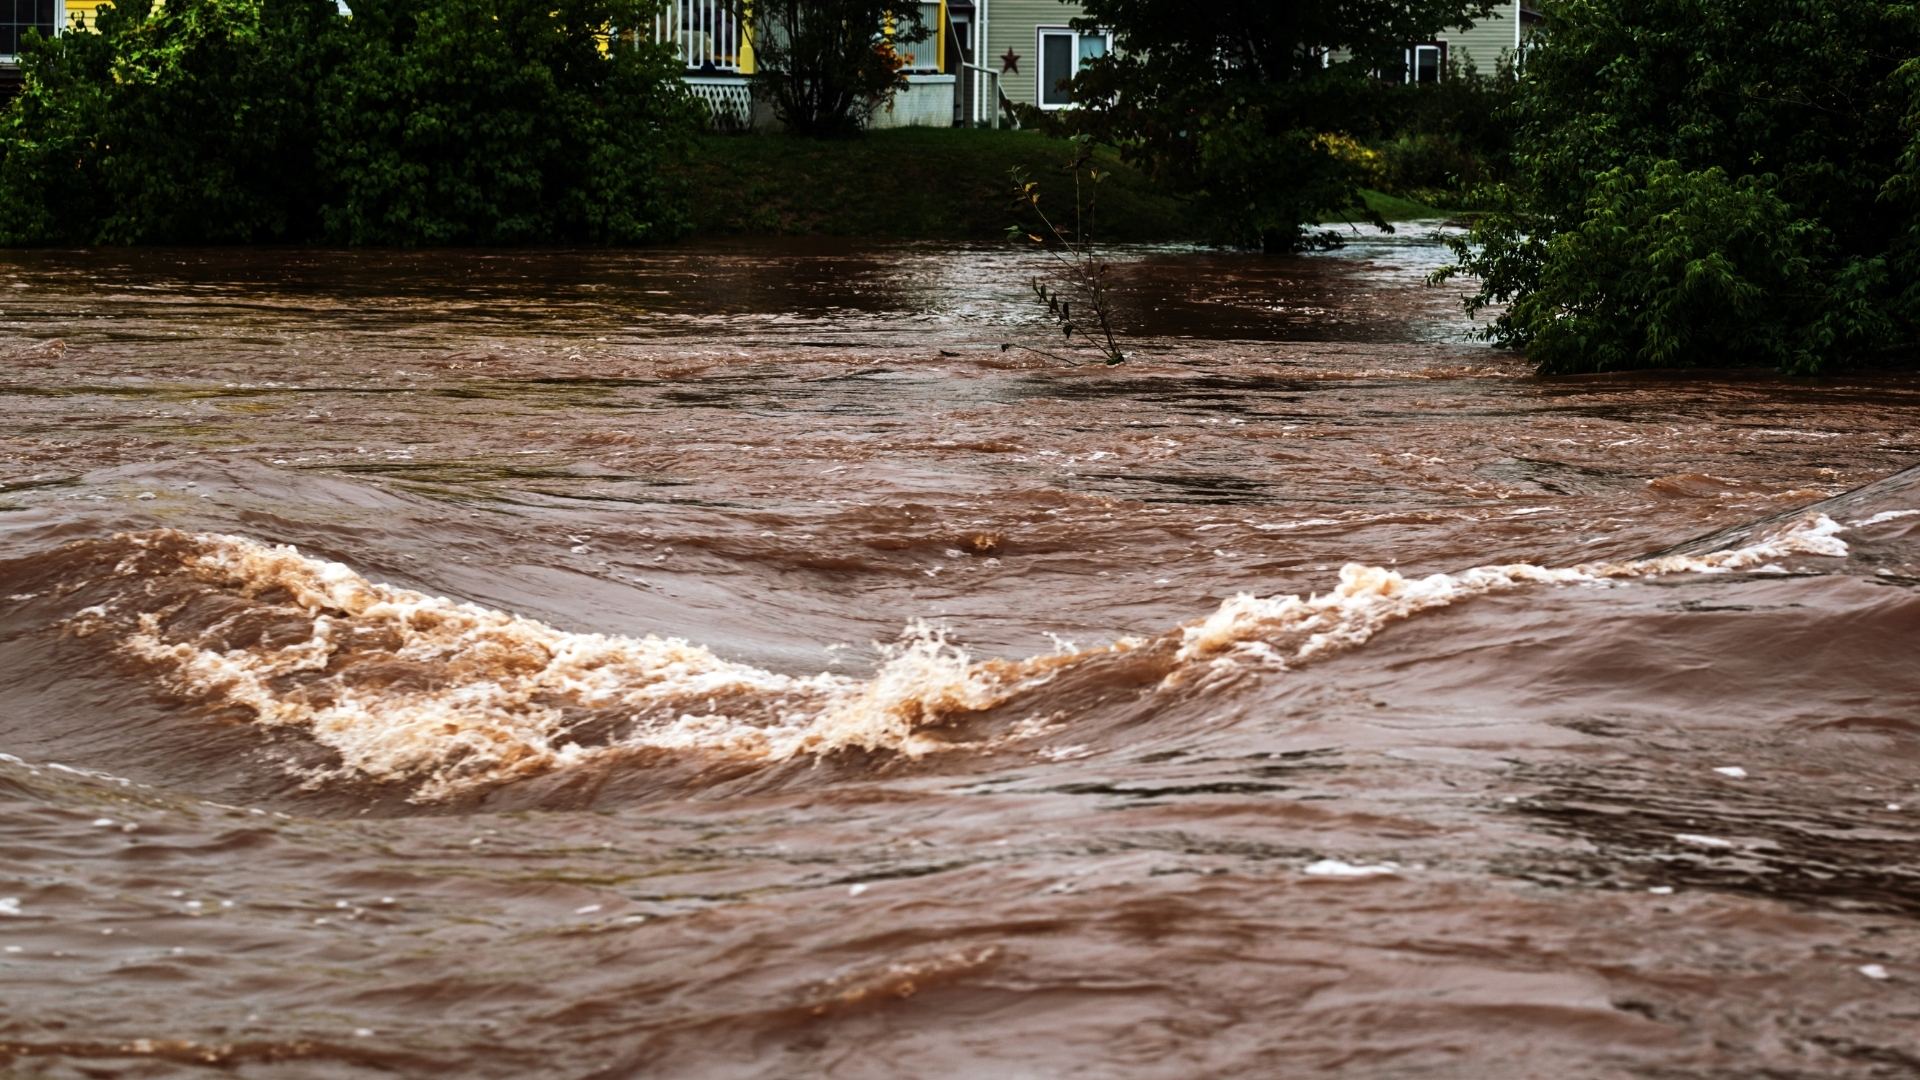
(1081, 276)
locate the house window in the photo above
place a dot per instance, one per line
(1426, 63)
(1062, 54)
(19, 16)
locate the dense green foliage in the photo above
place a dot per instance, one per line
(819, 64)
(1230, 101)
(1713, 183)
(1447, 142)
(463, 121)
(186, 123)
(501, 121)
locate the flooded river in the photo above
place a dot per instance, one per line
(730, 662)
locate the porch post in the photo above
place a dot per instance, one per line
(940, 36)
(745, 58)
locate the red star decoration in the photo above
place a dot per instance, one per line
(1010, 63)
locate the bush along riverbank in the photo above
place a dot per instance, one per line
(1709, 183)
(278, 121)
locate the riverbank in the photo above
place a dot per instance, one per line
(924, 184)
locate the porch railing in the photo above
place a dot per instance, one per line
(707, 33)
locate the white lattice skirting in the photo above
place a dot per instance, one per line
(729, 101)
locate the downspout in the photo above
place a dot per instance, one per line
(983, 52)
(958, 67)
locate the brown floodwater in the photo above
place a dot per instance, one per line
(729, 662)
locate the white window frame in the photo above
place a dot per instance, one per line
(59, 27)
(1040, 34)
(1439, 48)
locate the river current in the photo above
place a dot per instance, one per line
(730, 662)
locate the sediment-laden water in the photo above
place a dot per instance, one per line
(729, 662)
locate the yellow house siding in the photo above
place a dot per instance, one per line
(82, 13)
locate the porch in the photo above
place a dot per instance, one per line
(715, 45)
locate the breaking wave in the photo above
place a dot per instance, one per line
(443, 697)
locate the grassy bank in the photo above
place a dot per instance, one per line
(1395, 208)
(924, 184)
(912, 183)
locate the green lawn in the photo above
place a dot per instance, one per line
(911, 183)
(1395, 208)
(925, 184)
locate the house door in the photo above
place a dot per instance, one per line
(960, 52)
(1427, 63)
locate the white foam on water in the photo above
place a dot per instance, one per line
(1289, 526)
(503, 693)
(1883, 517)
(1335, 868)
(1698, 840)
(494, 696)
(1289, 630)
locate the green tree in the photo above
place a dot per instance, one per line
(1230, 100)
(244, 121)
(1712, 183)
(51, 191)
(824, 65)
(502, 122)
(185, 122)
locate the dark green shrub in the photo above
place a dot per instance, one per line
(1468, 107)
(190, 121)
(241, 121)
(1674, 269)
(1444, 143)
(51, 190)
(1712, 182)
(500, 122)
(1429, 162)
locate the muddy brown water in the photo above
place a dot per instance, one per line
(728, 662)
